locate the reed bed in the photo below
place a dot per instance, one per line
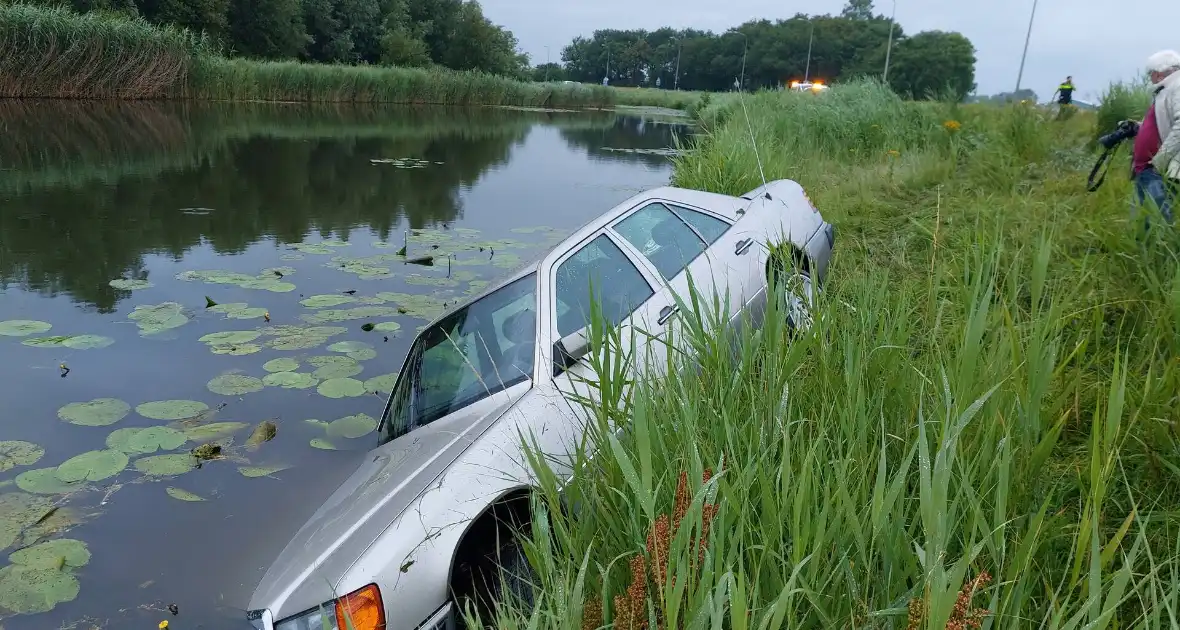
(978, 432)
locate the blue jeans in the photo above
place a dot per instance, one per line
(1151, 186)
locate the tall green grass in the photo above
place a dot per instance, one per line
(1122, 101)
(49, 52)
(980, 428)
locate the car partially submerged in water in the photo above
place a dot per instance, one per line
(426, 518)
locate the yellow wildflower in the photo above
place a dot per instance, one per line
(894, 153)
(952, 125)
(164, 625)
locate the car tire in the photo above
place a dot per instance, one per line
(499, 575)
(798, 291)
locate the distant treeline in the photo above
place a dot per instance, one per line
(842, 47)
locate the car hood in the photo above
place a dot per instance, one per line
(310, 568)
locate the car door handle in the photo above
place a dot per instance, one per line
(743, 246)
(666, 313)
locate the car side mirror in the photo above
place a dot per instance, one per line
(570, 349)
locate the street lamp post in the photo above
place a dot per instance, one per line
(745, 48)
(889, 46)
(810, 38)
(1027, 36)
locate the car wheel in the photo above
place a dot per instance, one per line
(499, 575)
(797, 291)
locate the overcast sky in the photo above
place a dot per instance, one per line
(1096, 41)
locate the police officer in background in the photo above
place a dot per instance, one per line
(1064, 91)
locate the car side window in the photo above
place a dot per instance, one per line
(619, 288)
(709, 228)
(663, 237)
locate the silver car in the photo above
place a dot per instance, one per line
(416, 530)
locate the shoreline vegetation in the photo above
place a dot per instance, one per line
(53, 52)
(979, 431)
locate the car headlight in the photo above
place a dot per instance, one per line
(359, 610)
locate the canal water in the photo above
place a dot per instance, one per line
(229, 280)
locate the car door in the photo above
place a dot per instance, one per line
(600, 272)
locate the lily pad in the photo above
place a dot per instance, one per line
(269, 284)
(260, 471)
(230, 337)
(45, 342)
(130, 285)
(92, 466)
(213, 430)
(425, 307)
(247, 313)
(227, 308)
(17, 512)
(284, 364)
(322, 444)
(290, 380)
(28, 590)
(23, 327)
(171, 409)
(44, 481)
(329, 367)
(319, 424)
(322, 301)
(99, 412)
(234, 385)
(292, 257)
(352, 426)
(166, 465)
(87, 342)
(15, 453)
(356, 350)
(383, 383)
(143, 441)
(341, 315)
(341, 388)
(53, 554)
(387, 327)
(154, 319)
(183, 495)
(238, 350)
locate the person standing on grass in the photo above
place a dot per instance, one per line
(1064, 91)
(1155, 160)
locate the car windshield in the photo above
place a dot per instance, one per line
(483, 348)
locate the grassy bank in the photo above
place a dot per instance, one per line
(55, 53)
(981, 428)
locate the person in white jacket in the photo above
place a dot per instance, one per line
(1155, 161)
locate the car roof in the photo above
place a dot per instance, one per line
(686, 196)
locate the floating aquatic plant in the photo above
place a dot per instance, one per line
(341, 388)
(183, 495)
(264, 431)
(352, 427)
(166, 465)
(171, 409)
(75, 342)
(290, 380)
(99, 412)
(130, 285)
(234, 385)
(92, 466)
(339, 315)
(260, 471)
(322, 301)
(383, 383)
(213, 430)
(322, 444)
(143, 441)
(28, 590)
(154, 319)
(329, 367)
(15, 453)
(23, 327)
(44, 481)
(282, 364)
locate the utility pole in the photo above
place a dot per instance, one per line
(1020, 74)
(810, 38)
(679, 49)
(745, 48)
(546, 64)
(889, 46)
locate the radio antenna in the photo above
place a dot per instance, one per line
(745, 112)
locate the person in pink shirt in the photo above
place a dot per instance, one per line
(1155, 159)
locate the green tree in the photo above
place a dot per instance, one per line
(209, 16)
(269, 29)
(548, 72)
(933, 64)
(858, 10)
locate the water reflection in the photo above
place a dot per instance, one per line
(91, 192)
(638, 139)
(89, 188)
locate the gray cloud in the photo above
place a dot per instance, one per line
(1094, 40)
